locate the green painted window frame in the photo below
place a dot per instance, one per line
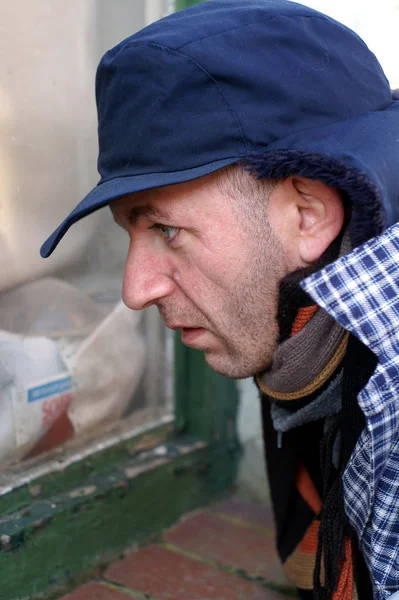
(60, 527)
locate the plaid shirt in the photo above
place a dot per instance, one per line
(361, 291)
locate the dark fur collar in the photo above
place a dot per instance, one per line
(367, 217)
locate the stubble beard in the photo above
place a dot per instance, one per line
(250, 318)
(245, 328)
(246, 324)
(249, 348)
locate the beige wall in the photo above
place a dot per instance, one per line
(49, 51)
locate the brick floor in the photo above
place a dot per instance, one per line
(96, 591)
(168, 575)
(207, 535)
(249, 512)
(213, 554)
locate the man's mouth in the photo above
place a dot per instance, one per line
(188, 334)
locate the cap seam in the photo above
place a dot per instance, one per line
(334, 122)
(170, 172)
(319, 17)
(206, 72)
(271, 18)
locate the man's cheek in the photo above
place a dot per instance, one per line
(207, 263)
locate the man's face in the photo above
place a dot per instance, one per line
(212, 270)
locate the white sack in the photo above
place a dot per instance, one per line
(35, 390)
(106, 368)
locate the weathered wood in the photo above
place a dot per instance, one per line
(56, 539)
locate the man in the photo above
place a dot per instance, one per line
(250, 150)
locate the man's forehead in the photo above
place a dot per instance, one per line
(160, 201)
(139, 200)
(129, 209)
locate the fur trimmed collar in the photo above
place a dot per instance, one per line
(367, 214)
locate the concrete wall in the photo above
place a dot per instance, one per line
(48, 148)
(252, 474)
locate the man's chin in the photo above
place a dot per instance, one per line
(228, 366)
(217, 355)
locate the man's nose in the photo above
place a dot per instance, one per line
(146, 278)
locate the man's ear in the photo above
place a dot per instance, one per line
(310, 216)
(322, 217)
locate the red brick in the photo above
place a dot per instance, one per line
(251, 512)
(95, 591)
(166, 575)
(211, 537)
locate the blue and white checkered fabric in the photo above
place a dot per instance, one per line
(361, 291)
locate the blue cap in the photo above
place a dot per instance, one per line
(210, 85)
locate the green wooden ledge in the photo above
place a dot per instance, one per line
(53, 541)
(56, 528)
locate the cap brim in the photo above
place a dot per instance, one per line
(120, 186)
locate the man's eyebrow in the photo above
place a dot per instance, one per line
(147, 210)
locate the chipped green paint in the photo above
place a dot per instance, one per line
(71, 521)
(75, 473)
(58, 538)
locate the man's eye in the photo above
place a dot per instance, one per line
(167, 231)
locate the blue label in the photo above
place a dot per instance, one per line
(53, 388)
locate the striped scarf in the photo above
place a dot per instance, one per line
(314, 540)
